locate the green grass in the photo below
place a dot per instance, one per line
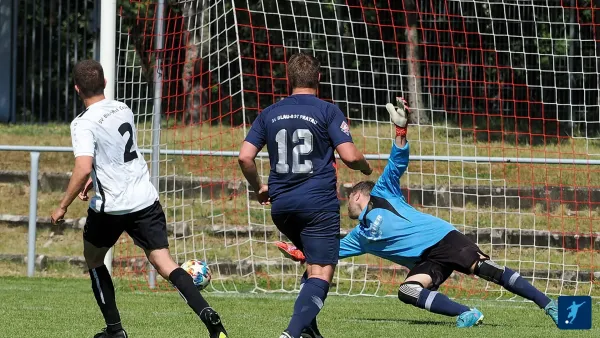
(46, 307)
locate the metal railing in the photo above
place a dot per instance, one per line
(428, 158)
(35, 152)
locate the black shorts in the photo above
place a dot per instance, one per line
(316, 234)
(455, 252)
(147, 228)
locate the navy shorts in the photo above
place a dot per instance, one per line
(316, 234)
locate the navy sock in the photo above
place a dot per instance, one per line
(313, 325)
(516, 284)
(184, 283)
(308, 304)
(438, 303)
(104, 291)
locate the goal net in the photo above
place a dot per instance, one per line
(504, 132)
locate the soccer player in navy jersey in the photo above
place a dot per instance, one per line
(430, 247)
(301, 133)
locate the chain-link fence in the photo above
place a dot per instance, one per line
(51, 35)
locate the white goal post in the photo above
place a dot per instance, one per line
(108, 26)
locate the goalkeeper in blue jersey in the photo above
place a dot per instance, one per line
(430, 247)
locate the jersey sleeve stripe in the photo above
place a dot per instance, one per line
(100, 191)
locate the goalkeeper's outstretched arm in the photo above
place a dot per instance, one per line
(388, 184)
(400, 141)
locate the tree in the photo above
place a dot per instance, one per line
(415, 97)
(195, 13)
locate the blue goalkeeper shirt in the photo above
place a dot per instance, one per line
(390, 227)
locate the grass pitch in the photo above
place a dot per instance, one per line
(47, 307)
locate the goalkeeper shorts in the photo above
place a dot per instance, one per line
(455, 252)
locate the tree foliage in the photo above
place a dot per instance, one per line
(493, 66)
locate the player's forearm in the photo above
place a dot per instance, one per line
(352, 157)
(250, 173)
(400, 141)
(76, 184)
(359, 163)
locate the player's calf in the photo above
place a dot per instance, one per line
(183, 282)
(311, 331)
(413, 293)
(510, 280)
(317, 234)
(311, 299)
(104, 290)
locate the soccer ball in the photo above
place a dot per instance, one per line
(199, 271)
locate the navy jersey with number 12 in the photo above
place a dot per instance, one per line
(301, 133)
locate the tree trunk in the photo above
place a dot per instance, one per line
(415, 97)
(197, 25)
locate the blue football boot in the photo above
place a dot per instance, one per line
(552, 310)
(469, 318)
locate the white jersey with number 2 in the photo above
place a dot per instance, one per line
(106, 131)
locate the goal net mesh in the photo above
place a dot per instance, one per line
(504, 133)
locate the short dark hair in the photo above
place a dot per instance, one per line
(364, 187)
(303, 71)
(88, 75)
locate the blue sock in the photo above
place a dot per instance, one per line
(313, 325)
(308, 304)
(516, 284)
(438, 303)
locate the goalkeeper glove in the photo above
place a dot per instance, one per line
(399, 115)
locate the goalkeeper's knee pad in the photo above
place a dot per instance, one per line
(409, 292)
(489, 271)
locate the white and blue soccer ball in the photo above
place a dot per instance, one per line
(199, 271)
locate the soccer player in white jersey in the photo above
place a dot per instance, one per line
(430, 247)
(105, 147)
